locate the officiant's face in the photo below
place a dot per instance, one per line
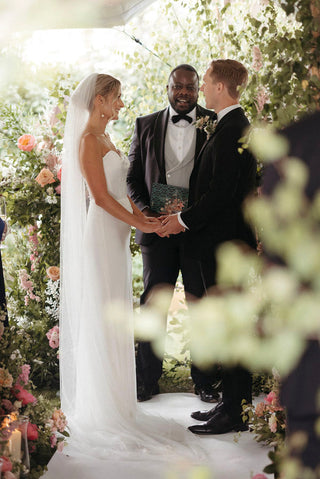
(183, 89)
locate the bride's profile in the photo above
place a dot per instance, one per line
(97, 362)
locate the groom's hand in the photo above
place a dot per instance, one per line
(170, 225)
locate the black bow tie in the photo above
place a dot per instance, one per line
(176, 118)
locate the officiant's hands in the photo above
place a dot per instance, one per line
(170, 226)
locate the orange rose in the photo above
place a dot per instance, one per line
(53, 272)
(45, 177)
(26, 142)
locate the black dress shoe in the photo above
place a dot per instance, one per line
(206, 415)
(207, 394)
(144, 393)
(220, 423)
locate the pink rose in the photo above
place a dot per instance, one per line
(53, 272)
(45, 177)
(271, 398)
(58, 189)
(53, 336)
(22, 395)
(26, 142)
(260, 476)
(6, 465)
(59, 172)
(32, 432)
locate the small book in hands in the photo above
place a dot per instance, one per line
(168, 199)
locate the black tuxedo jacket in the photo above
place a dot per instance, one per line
(147, 163)
(221, 179)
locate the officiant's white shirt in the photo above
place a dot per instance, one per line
(179, 149)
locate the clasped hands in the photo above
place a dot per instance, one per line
(167, 225)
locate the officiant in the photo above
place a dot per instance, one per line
(162, 156)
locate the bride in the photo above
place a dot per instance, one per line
(97, 363)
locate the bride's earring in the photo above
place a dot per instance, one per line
(102, 115)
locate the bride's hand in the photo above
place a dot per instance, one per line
(149, 224)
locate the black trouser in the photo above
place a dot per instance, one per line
(236, 386)
(162, 261)
(300, 395)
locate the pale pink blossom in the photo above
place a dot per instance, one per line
(9, 475)
(272, 423)
(6, 379)
(58, 421)
(53, 336)
(260, 409)
(60, 446)
(261, 99)
(51, 161)
(58, 189)
(26, 285)
(259, 476)
(257, 62)
(54, 118)
(24, 376)
(9, 407)
(53, 440)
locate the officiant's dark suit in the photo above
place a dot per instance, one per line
(153, 159)
(221, 180)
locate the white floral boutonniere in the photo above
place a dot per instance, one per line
(206, 124)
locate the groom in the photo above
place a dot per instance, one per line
(163, 151)
(220, 182)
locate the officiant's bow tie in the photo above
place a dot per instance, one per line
(176, 118)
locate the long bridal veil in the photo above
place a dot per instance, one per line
(73, 218)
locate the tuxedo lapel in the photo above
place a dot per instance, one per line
(160, 129)
(219, 126)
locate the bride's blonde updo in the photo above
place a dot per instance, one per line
(106, 84)
(91, 86)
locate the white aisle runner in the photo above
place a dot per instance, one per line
(232, 456)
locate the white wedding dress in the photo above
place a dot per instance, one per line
(106, 421)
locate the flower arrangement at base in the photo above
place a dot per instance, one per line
(45, 426)
(268, 422)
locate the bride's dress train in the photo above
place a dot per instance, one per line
(105, 420)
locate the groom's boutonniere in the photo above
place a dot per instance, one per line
(206, 124)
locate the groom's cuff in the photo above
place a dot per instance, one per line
(181, 222)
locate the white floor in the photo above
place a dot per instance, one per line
(232, 456)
